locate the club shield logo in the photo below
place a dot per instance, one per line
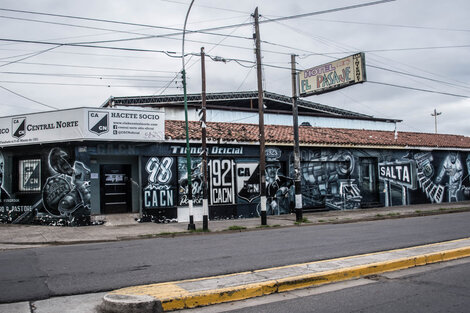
(98, 122)
(18, 126)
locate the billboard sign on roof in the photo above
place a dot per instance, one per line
(333, 75)
(83, 124)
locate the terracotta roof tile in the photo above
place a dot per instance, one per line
(238, 132)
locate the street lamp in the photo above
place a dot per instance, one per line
(191, 225)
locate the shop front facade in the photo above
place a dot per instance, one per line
(72, 166)
(68, 183)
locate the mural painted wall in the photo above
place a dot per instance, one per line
(159, 192)
(51, 186)
(47, 188)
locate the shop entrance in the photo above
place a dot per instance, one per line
(368, 181)
(116, 192)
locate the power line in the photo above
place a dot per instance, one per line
(144, 36)
(24, 97)
(206, 6)
(168, 53)
(95, 67)
(417, 76)
(395, 25)
(205, 30)
(30, 56)
(419, 89)
(390, 50)
(97, 76)
(78, 85)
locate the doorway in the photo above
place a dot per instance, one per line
(368, 181)
(116, 192)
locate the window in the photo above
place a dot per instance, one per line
(29, 175)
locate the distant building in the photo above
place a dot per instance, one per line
(63, 167)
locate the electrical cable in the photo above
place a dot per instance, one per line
(171, 54)
(419, 89)
(417, 76)
(96, 67)
(78, 85)
(30, 56)
(24, 97)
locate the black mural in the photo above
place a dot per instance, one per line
(327, 180)
(221, 182)
(50, 186)
(248, 190)
(67, 192)
(64, 198)
(196, 181)
(159, 191)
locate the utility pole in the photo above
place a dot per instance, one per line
(205, 207)
(262, 153)
(191, 225)
(295, 114)
(435, 114)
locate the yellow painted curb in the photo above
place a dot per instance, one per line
(173, 297)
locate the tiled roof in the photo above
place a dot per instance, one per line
(277, 134)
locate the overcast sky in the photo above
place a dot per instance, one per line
(418, 44)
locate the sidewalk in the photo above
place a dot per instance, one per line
(208, 290)
(25, 236)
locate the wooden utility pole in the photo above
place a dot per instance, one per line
(262, 153)
(205, 207)
(295, 114)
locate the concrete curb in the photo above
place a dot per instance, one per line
(217, 289)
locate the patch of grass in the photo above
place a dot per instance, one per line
(263, 226)
(379, 215)
(236, 227)
(418, 211)
(321, 221)
(200, 230)
(304, 220)
(162, 234)
(393, 214)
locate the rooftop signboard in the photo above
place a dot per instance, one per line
(333, 75)
(80, 124)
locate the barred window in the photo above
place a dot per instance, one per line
(29, 175)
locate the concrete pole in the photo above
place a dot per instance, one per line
(205, 206)
(262, 153)
(295, 115)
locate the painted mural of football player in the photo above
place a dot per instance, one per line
(452, 167)
(67, 193)
(277, 190)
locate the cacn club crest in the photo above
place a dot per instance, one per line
(98, 122)
(18, 126)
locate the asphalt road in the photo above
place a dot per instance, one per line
(40, 273)
(432, 289)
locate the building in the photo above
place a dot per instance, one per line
(129, 156)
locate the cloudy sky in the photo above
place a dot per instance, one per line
(67, 53)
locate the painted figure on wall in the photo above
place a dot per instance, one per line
(277, 190)
(452, 168)
(66, 193)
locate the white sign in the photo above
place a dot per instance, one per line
(334, 75)
(83, 124)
